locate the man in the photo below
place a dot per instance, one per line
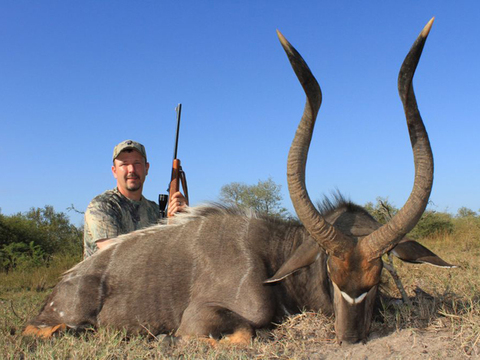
(124, 209)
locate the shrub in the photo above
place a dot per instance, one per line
(30, 239)
(431, 223)
(20, 255)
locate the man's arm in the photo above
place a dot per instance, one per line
(99, 228)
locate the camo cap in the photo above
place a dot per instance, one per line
(129, 145)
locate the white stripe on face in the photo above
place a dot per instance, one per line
(352, 301)
(348, 298)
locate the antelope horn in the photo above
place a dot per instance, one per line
(386, 237)
(327, 237)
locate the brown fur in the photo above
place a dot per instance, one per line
(202, 276)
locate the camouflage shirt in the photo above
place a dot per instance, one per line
(112, 214)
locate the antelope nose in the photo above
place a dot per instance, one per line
(351, 339)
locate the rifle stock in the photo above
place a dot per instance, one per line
(175, 181)
(178, 177)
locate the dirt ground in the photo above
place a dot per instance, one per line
(405, 344)
(312, 336)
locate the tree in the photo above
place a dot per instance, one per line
(59, 234)
(264, 197)
(382, 210)
(464, 212)
(35, 236)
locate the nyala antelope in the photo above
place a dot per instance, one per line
(219, 272)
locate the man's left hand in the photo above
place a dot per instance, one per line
(177, 204)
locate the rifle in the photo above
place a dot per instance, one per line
(178, 175)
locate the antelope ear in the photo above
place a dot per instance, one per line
(411, 251)
(305, 255)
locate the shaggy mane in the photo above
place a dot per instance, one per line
(338, 202)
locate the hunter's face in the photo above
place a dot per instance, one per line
(130, 169)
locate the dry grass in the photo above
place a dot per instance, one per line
(443, 321)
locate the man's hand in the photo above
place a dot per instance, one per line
(177, 203)
(102, 243)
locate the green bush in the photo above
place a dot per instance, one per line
(30, 239)
(20, 255)
(432, 223)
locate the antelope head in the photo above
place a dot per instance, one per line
(354, 264)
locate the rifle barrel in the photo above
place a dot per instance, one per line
(178, 109)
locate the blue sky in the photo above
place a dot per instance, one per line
(77, 77)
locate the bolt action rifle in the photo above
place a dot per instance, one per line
(178, 175)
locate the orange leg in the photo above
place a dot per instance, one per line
(242, 337)
(44, 332)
